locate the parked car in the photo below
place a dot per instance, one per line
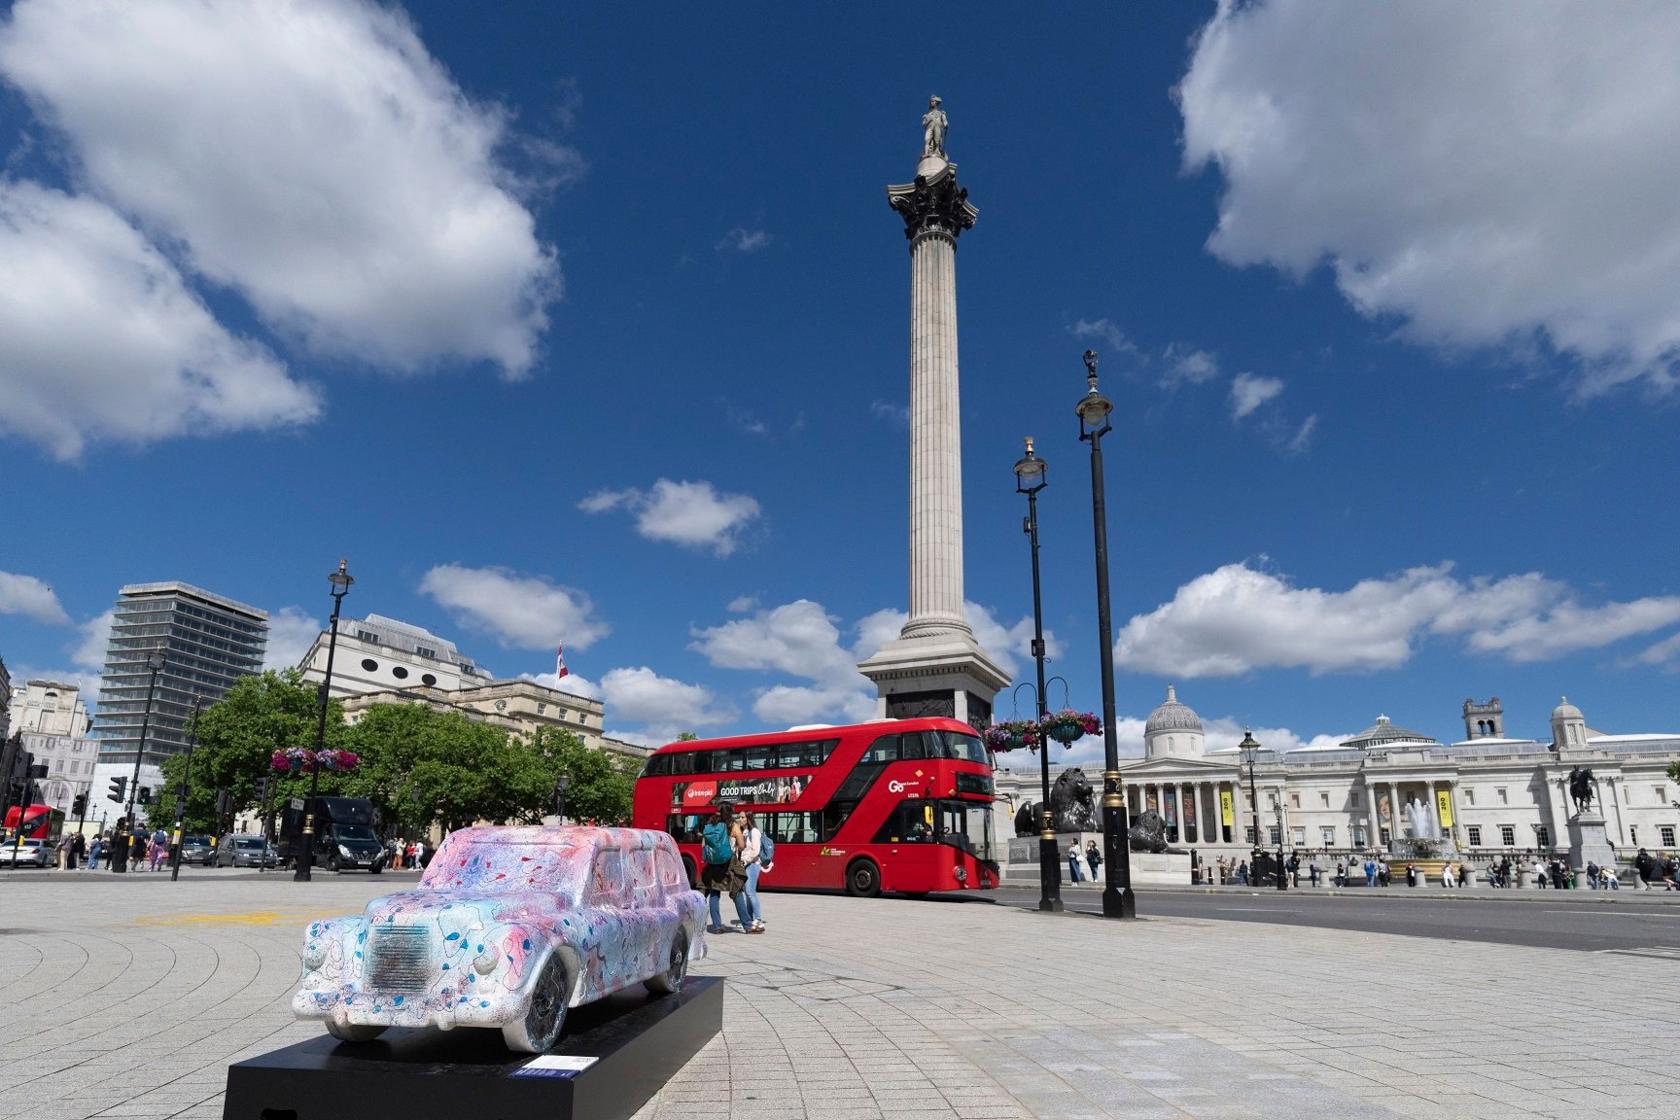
(245, 849)
(509, 927)
(197, 849)
(32, 853)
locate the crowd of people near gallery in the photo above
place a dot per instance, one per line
(1652, 872)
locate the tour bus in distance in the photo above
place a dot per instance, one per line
(40, 822)
(892, 805)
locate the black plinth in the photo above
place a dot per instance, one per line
(639, 1041)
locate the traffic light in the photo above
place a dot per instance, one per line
(37, 771)
(262, 790)
(224, 803)
(119, 786)
(78, 807)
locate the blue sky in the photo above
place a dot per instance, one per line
(590, 325)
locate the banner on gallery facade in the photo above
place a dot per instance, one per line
(1443, 799)
(1226, 811)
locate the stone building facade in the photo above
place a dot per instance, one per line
(1390, 789)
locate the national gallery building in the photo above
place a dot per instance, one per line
(1387, 787)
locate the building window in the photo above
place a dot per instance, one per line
(370, 665)
(1508, 835)
(428, 680)
(1358, 831)
(1327, 835)
(399, 672)
(1382, 837)
(1657, 795)
(1469, 796)
(1357, 800)
(1298, 836)
(1633, 835)
(1253, 837)
(1475, 831)
(428, 654)
(1295, 801)
(542, 706)
(1275, 834)
(1500, 793)
(1543, 836)
(1324, 798)
(1271, 801)
(368, 636)
(1666, 834)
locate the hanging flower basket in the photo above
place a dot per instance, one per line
(1067, 726)
(1012, 734)
(300, 760)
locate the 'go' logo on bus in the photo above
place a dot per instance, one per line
(896, 786)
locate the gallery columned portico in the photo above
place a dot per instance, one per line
(1391, 790)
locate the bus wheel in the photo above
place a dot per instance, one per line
(693, 879)
(863, 879)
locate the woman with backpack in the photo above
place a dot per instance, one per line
(716, 856)
(757, 850)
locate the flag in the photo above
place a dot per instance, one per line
(560, 669)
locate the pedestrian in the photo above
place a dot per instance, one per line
(1242, 873)
(1592, 875)
(63, 847)
(1093, 857)
(1313, 870)
(1643, 864)
(1447, 876)
(1505, 872)
(137, 851)
(1411, 875)
(1384, 873)
(78, 850)
(1370, 872)
(1294, 867)
(1073, 862)
(715, 856)
(160, 848)
(1670, 873)
(752, 856)
(94, 850)
(1607, 876)
(738, 870)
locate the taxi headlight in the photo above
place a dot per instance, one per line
(485, 962)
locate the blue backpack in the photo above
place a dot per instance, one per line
(716, 848)
(766, 849)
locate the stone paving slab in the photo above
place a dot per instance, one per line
(137, 994)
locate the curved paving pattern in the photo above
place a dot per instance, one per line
(129, 996)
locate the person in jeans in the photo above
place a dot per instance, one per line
(716, 854)
(1073, 862)
(1093, 857)
(752, 845)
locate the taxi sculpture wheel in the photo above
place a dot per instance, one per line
(509, 928)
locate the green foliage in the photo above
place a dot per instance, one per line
(418, 766)
(1674, 771)
(236, 738)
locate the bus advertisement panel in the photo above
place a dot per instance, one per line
(892, 805)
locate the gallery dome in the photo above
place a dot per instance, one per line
(1172, 716)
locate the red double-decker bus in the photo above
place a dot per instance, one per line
(40, 822)
(893, 805)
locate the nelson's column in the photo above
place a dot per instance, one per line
(934, 666)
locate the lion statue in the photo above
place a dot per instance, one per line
(1148, 832)
(1073, 807)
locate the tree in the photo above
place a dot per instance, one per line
(237, 736)
(601, 782)
(421, 767)
(1674, 771)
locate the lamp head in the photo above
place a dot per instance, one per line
(154, 659)
(1031, 472)
(562, 782)
(1248, 746)
(341, 579)
(1093, 407)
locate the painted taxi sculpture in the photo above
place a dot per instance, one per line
(509, 928)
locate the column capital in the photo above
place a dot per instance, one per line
(933, 204)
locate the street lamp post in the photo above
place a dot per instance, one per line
(1117, 899)
(340, 581)
(1031, 475)
(181, 797)
(1250, 750)
(154, 662)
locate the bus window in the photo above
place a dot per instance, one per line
(912, 822)
(760, 758)
(683, 762)
(791, 828)
(657, 765)
(881, 751)
(685, 827)
(834, 815)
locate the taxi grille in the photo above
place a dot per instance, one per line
(399, 959)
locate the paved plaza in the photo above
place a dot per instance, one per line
(128, 997)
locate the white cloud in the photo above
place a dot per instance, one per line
(876, 630)
(743, 240)
(291, 631)
(525, 612)
(1665, 654)
(28, 596)
(89, 653)
(891, 412)
(791, 705)
(312, 156)
(1010, 646)
(100, 337)
(798, 639)
(692, 514)
(1222, 733)
(1487, 173)
(1103, 330)
(664, 706)
(1249, 392)
(571, 683)
(1303, 435)
(1236, 619)
(1186, 364)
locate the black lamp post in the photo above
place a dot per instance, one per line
(181, 797)
(340, 581)
(1118, 899)
(154, 662)
(1250, 750)
(1030, 477)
